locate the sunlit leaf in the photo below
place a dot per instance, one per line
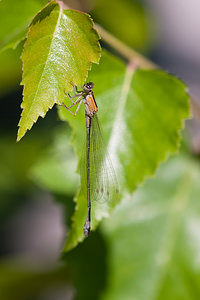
(154, 238)
(60, 48)
(141, 114)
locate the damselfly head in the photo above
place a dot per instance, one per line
(88, 87)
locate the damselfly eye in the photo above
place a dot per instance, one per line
(88, 86)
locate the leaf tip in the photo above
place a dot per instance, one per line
(20, 134)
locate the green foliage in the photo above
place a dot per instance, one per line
(55, 169)
(141, 114)
(60, 48)
(19, 282)
(10, 71)
(153, 238)
(148, 248)
(14, 20)
(15, 164)
(127, 20)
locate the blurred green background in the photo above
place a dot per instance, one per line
(150, 247)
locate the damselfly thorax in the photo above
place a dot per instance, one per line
(90, 105)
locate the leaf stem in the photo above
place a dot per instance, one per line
(127, 52)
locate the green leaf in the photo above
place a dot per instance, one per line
(10, 71)
(14, 19)
(153, 240)
(60, 48)
(141, 114)
(54, 170)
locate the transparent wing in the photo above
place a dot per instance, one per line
(103, 181)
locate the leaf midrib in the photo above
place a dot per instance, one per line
(121, 105)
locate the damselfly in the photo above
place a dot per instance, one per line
(101, 183)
